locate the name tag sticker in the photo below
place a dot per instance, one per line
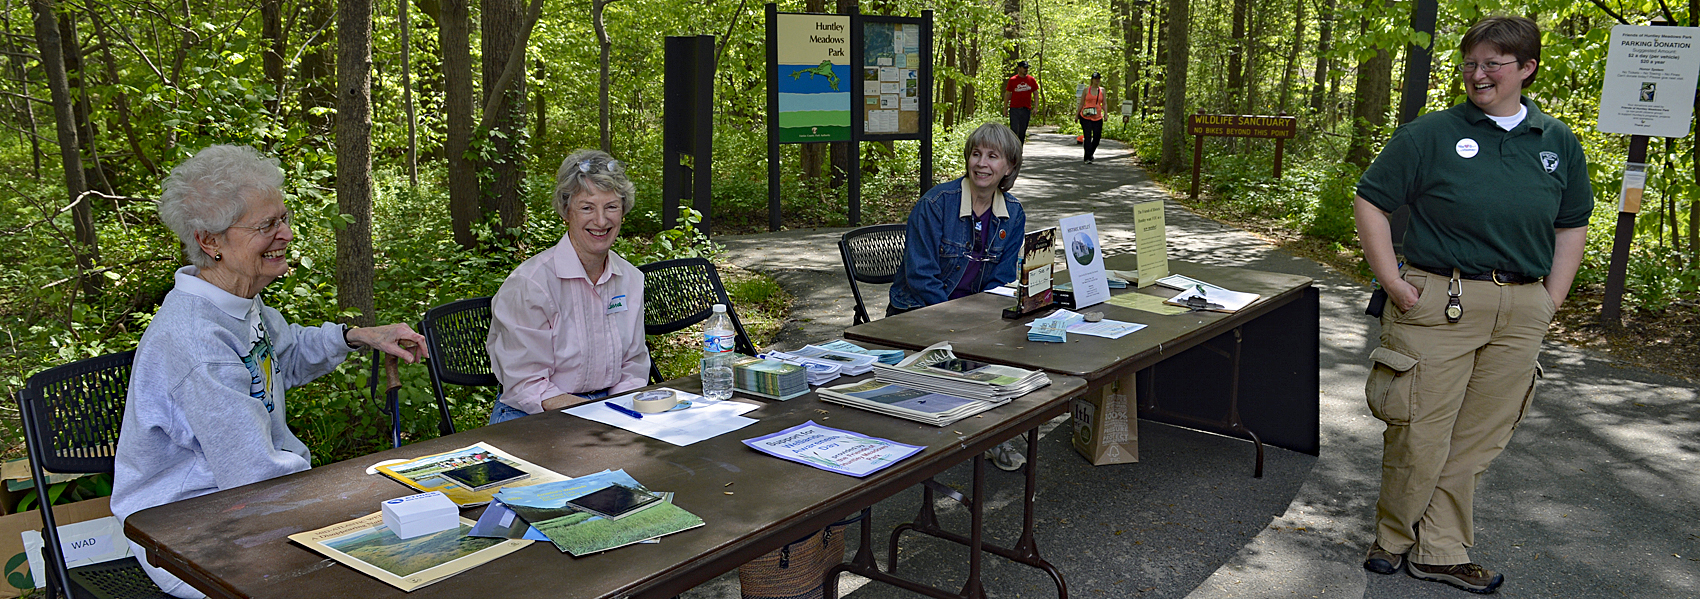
(616, 305)
(1467, 148)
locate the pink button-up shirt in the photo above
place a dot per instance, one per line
(554, 331)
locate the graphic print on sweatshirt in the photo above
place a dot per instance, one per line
(260, 364)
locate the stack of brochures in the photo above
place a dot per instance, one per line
(886, 356)
(853, 363)
(1053, 328)
(937, 369)
(890, 399)
(769, 378)
(820, 372)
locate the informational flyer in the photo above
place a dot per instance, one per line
(833, 450)
(1085, 259)
(1150, 242)
(1649, 80)
(814, 77)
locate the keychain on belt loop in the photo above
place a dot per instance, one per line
(1454, 290)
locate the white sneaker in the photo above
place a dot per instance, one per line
(1006, 457)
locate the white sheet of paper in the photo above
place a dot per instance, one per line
(703, 420)
(1079, 237)
(888, 73)
(1106, 328)
(882, 121)
(1003, 290)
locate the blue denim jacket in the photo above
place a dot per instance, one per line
(938, 240)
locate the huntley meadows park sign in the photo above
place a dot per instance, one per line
(1200, 126)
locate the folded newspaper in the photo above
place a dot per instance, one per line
(937, 369)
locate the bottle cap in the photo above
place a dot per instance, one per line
(719, 308)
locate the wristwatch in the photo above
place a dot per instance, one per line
(345, 330)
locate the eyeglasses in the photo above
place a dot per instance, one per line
(610, 166)
(1486, 67)
(268, 226)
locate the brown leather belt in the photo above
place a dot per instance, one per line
(1499, 277)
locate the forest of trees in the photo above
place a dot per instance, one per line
(420, 139)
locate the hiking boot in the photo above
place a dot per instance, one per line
(1470, 577)
(1006, 457)
(1382, 561)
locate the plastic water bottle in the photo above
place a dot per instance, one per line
(717, 344)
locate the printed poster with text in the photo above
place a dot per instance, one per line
(1085, 257)
(814, 78)
(891, 66)
(1649, 82)
(1150, 242)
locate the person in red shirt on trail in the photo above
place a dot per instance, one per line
(1018, 100)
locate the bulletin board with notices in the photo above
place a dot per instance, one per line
(895, 77)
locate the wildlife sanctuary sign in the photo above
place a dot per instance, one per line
(1200, 126)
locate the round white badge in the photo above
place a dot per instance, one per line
(1467, 148)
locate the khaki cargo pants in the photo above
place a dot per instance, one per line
(1451, 394)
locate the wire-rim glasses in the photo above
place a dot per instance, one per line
(1486, 67)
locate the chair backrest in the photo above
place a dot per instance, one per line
(680, 293)
(872, 255)
(455, 334)
(72, 415)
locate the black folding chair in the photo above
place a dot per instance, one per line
(72, 415)
(454, 334)
(872, 255)
(680, 293)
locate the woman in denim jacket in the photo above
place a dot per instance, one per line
(965, 236)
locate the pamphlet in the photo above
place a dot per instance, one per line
(1076, 323)
(1085, 258)
(1147, 303)
(548, 508)
(833, 450)
(1038, 257)
(431, 473)
(365, 544)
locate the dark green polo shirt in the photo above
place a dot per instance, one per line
(1482, 198)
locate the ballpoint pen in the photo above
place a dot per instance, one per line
(622, 409)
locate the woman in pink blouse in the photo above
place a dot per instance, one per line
(567, 325)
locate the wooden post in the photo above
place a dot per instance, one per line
(1611, 307)
(1197, 162)
(1280, 148)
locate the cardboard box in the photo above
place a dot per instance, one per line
(17, 569)
(1106, 426)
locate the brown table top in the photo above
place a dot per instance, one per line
(236, 540)
(976, 329)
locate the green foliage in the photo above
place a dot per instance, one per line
(69, 491)
(1332, 218)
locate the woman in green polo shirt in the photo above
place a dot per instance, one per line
(1499, 200)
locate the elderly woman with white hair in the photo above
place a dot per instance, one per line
(205, 410)
(567, 325)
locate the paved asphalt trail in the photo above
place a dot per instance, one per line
(1598, 494)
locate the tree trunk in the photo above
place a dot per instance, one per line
(1236, 58)
(407, 92)
(971, 67)
(1369, 107)
(606, 46)
(87, 248)
(1292, 54)
(454, 34)
(1133, 38)
(1174, 89)
(504, 24)
(947, 83)
(1324, 40)
(94, 174)
(354, 159)
(271, 31)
